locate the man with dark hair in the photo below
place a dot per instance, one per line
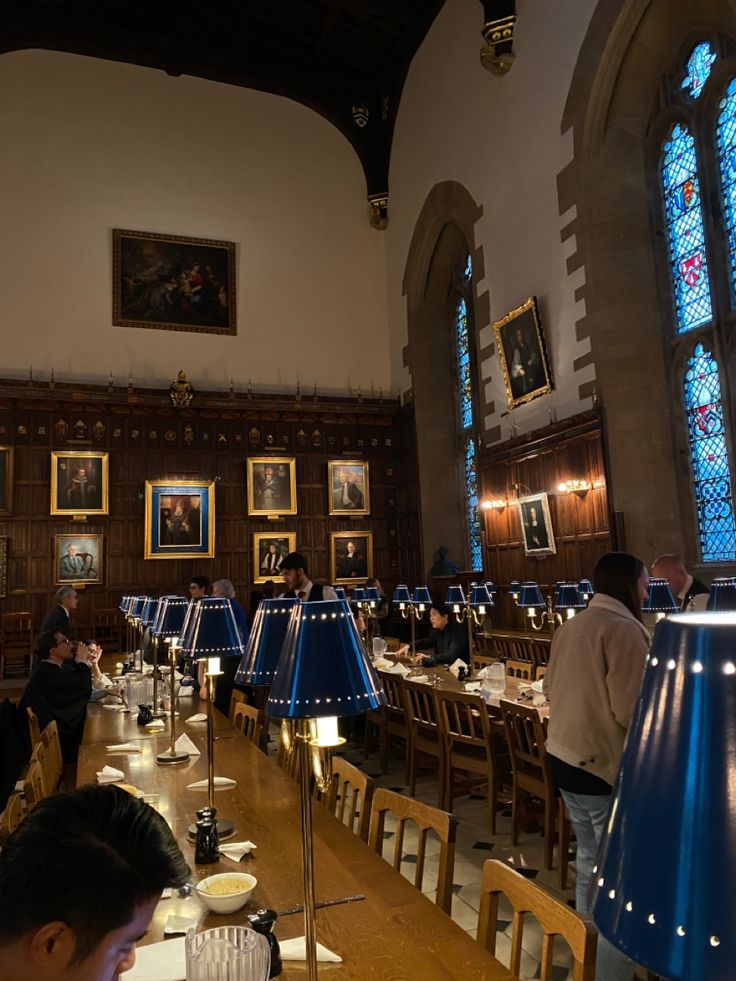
(60, 617)
(296, 577)
(79, 881)
(446, 642)
(198, 586)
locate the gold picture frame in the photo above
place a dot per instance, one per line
(522, 353)
(349, 496)
(79, 482)
(180, 519)
(271, 485)
(264, 566)
(351, 567)
(6, 480)
(536, 525)
(78, 559)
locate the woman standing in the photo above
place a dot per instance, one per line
(592, 682)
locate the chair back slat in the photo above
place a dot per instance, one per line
(235, 698)
(34, 788)
(249, 720)
(34, 728)
(53, 764)
(11, 816)
(519, 669)
(350, 796)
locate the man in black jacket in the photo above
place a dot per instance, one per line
(59, 618)
(447, 640)
(296, 577)
(690, 593)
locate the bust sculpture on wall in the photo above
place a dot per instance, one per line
(443, 566)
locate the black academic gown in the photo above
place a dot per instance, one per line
(60, 693)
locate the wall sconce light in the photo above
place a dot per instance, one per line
(494, 504)
(574, 487)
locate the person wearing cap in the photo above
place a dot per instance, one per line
(296, 576)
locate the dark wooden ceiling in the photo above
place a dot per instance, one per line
(331, 55)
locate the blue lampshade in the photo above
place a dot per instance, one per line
(148, 611)
(169, 621)
(585, 587)
(421, 596)
(530, 596)
(455, 598)
(514, 589)
(659, 598)
(124, 603)
(491, 589)
(324, 669)
(358, 594)
(722, 597)
(136, 607)
(402, 595)
(480, 599)
(372, 596)
(211, 630)
(663, 886)
(262, 652)
(339, 591)
(568, 597)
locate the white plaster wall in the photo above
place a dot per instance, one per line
(87, 146)
(500, 138)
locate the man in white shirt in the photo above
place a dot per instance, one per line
(691, 594)
(296, 577)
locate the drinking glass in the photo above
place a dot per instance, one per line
(494, 683)
(379, 647)
(228, 953)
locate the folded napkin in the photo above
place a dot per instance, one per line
(199, 717)
(124, 748)
(538, 686)
(164, 961)
(456, 665)
(221, 783)
(381, 664)
(296, 950)
(147, 669)
(182, 922)
(236, 849)
(398, 668)
(108, 774)
(472, 686)
(185, 745)
(158, 725)
(423, 679)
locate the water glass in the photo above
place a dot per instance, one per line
(379, 647)
(494, 683)
(228, 953)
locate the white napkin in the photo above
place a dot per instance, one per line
(381, 664)
(164, 961)
(158, 725)
(114, 707)
(456, 665)
(108, 774)
(472, 686)
(296, 950)
(185, 745)
(199, 717)
(147, 669)
(124, 748)
(221, 783)
(236, 849)
(181, 922)
(398, 668)
(185, 691)
(538, 686)
(423, 679)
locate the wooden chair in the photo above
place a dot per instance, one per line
(480, 661)
(531, 776)
(53, 764)
(34, 787)
(425, 818)
(11, 816)
(350, 796)
(519, 669)
(391, 721)
(16, 644)
(473, 744)
(249, 720)
(392, 643)
(34, 728)
(424, 733)
(235, 698)
(107, 629)
(540, 672)
(554, 917)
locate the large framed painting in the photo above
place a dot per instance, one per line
(536, 525)
(269, 551)
(271, 485)
(180, 519)
(351, 556)
(6, 480)
(79, 482)
(78, 559)
(347, 486)
(3, 567)
(169, 282)
(523, 354)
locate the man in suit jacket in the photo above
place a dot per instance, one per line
(353, 564)
(296, 577)
(691, 593)
(59, 618)
(346, 495)
(272, 559)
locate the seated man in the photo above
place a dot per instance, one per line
(59, 688)
(690, 593)
(447, 640)
(79, 881)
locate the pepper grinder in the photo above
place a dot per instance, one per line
(207, 845)
(263, 921)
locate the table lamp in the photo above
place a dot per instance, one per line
(660, 599)
(134, 612)
(471, 610)
(722, 598)
(167, 626)
(262, 652)
(412, 607)
(568, 598)
(324, 672)
(515, 590)
(585, 587)
(339, 592)
(662, 889)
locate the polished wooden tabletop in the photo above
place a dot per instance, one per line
(395, 934)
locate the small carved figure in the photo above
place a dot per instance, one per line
(181, 392)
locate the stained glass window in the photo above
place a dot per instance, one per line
(464, 379)
(726, 141)
(471, 491)
(465, 404)
(685, 236)
(708, 458)
(698, 68)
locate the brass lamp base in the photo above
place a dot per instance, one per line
(169, 758)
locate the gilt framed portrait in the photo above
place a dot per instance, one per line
(79, 482)
(78, 559)
(351, 556)
(271, 485)
(536, 525)
(180, 519)
(269, 551)
(169, 282)
(6, 480)
(522, 353)
(347, 487)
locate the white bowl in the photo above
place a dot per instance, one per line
(233, 902)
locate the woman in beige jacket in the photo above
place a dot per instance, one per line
(592, 682)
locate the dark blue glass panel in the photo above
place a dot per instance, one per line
(698, 68)
(708, 458)
(465, 385)
(471, 490)
(685, 237)
(726, 143)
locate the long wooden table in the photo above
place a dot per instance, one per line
(395, 934)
